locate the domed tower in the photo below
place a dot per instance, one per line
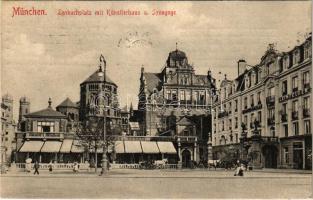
(24, 109)
(8, 101)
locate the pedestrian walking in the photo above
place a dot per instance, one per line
(36, 167)
(239, 170)
(50, 166)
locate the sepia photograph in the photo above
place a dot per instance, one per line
(156, 100)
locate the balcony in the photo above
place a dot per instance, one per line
(252, 108)
(270, 100)
(294, 115)
(295, 89)
(270, 121)
(284, 117)
(306, 85)
(306, 112)
(270, 139)
(40, 135)
(222, 114)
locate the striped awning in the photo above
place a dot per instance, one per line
(132, 147)
(31, 146)
(149, 147)
(119, 147)
(51, 147)
(66, 146)
(166, 147)
(77, 148)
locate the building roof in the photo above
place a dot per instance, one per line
(67, 103)
(48, 112)
(96, 78)
(177, 55)
(153, 80)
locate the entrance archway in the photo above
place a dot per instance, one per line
(270, 156)
(186, 158)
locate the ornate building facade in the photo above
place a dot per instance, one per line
(264, 114)
(7, 130)
(176, 103)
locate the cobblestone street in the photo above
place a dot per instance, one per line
(158, 184)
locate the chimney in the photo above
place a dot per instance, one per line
(241, 66)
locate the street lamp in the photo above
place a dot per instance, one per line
(101, 73)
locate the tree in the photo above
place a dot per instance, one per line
(90, 135)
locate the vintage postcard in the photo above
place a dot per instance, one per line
(156, 99)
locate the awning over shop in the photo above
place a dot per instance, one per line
(149, 147)
(119, 147)
(166, 147)
(76, 147)
(51, 147)
(66, 146)
(31, 146)
(132, 147)
(134, 126)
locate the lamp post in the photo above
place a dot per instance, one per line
(104, 160)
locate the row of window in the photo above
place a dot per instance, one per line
(294, 83)
(295, 128)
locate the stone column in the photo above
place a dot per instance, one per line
(179, 153)
(195, 151)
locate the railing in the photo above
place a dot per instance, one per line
(294, 115)
(269, 139)
(45, 135)
(306, 85)
(284, 117)
(270, 100)
(187, 138)
(55, 166)
(306, 112)
(144, 138)
(125, 166)
(138, 166)
(222, 114)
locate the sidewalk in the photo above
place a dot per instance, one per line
(166, 173)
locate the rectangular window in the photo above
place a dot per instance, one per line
(296, 57)
(285, 127)
(271, 91)
(306, 102)
(294, 83)
(284, 87)
(174, 95)
(307, 127)
(294, 106)
(236, 122)
(296, 128)
(188, 96)
(182, 95)
(230, 124)
(245, 120)
(45, 127)
(286, 155)
(271, 114)
(306, 79)
(252, 100)
(229, 107)
(245, 103)
(236, 105)
(259, 97)
(168, 95)
(286, 62)
(260, 117)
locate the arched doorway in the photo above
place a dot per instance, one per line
(186, 157)
(270, 156)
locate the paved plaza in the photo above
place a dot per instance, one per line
(126, 183)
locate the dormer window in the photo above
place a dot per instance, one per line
(286, 62)
(307, 50)
(247, 81)
(296, 56)
(253, 78)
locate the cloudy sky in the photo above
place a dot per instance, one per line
(49, 56)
